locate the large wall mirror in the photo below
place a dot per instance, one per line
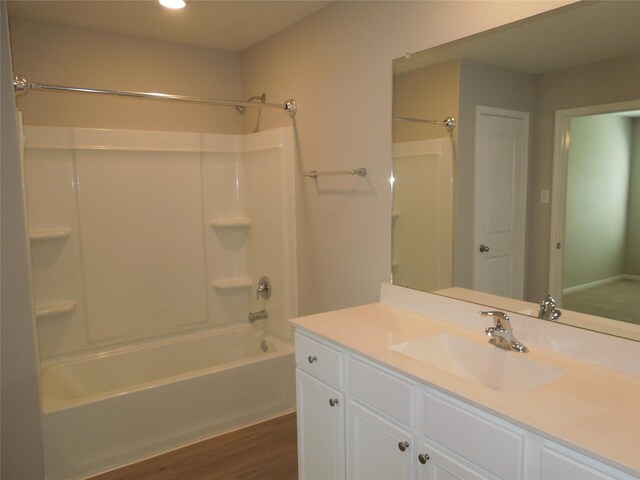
(516, 167)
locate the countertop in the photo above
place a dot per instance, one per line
(591, 409)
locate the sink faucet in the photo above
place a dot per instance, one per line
(548, 309)
(501, 334)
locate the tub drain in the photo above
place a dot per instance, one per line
(264, 345)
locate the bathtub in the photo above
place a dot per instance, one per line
(116, 407)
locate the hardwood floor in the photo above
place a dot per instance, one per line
(266, 451)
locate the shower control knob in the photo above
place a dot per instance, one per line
(403, 446)
(312, 359)
(423, 457)
(484, 248)
(333, 402)
(264, 288)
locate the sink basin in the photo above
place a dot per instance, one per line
(487, 365)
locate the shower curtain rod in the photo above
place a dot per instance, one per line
(449, 122)
(21, 85)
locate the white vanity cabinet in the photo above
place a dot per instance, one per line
(468, 440)
(321, 407)
(556, 462)
(380, 433)
(357, 419)
(377, 447)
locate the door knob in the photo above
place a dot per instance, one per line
(333, 402)
(403, 446)
(484, 248)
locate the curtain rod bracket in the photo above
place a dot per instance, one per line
(291, 107)
(20, 85)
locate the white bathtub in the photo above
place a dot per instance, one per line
(117, 407)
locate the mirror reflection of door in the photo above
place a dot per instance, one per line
(601, 268)
(500, 201)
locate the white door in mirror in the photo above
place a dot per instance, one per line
(500, 200)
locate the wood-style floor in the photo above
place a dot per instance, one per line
(264, 451)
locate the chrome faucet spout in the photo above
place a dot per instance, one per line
(262, 314)
(501, 334)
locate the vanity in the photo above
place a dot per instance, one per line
(410, 388)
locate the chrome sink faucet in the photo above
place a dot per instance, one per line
(501, 334)
(548, 310)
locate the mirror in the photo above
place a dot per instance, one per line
(505, 201)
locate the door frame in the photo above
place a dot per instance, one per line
(522, 211)
(561, 144)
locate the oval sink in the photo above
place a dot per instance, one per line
(487, 365)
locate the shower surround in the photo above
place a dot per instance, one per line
(142, 238)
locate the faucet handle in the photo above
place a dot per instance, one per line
(500, 319)
(264, 287)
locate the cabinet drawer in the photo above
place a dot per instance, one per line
(318, 359)
(480, 440)
(383, 391)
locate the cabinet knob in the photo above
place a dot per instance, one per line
(423, 457)
(312, 359)
(403, 446)
(333, 402)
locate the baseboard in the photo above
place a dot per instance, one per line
(597, 283)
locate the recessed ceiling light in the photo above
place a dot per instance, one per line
(174, 4)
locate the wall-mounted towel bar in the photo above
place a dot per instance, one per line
(315, 174)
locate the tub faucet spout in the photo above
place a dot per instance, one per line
(262, 314)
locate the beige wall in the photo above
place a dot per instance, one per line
(430, 92)
(598, 175)
(337, 64)
(61, 55)
(633, 222)
(489, 86)
(20, 408)
(608, 82)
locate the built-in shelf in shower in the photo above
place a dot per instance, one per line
(53, 309)
(44, 234)
(231, 222)
(238, 283)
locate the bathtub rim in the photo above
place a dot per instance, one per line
(283, 348)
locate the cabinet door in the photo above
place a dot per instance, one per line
(321, 446)
(443, 466)
(557, 463)
(377, 448)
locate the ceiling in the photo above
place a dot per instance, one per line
(578, 34)
(226, 25)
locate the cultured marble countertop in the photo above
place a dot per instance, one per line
(591, 409)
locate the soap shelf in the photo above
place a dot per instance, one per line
(53, 309)
(49, 234)
(231, 222)
(232, 283)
